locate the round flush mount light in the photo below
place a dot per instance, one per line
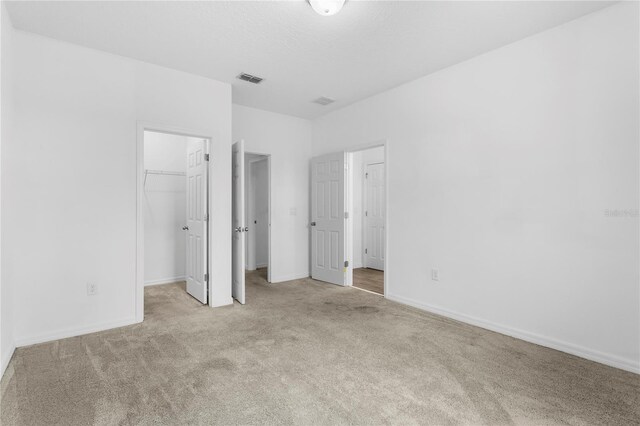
(327, 7)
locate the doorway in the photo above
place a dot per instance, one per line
(257, 215)
(366, 233)
(251, 220)
(348, 218)
(173, 193)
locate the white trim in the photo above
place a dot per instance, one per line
(6, 358)
(290, 277)
(570, 348)
(269, 248)
(72, 332)
(169, 280)
(261, 265)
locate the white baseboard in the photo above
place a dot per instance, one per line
(72, 332)
(570, 348)
(6, 357)
(169, 280)
(261, 265)
(290, 277)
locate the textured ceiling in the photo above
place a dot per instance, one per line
(369, 47)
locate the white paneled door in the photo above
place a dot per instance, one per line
(239, 229)
(328, 218)
(374, 216)
(197, 210)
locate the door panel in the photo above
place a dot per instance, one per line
(197, 170)
(327, 218)
(374, 216)
(238, 225)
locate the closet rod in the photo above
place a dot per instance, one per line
(164, 172)
(161, 172)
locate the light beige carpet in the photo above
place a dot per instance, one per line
(305, 352)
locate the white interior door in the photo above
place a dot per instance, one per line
(328, 218)
(197, 211)
(374, 216)
(239, 228)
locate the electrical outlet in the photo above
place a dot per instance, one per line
(435, 274)
(92, 289)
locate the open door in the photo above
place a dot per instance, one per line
(197, 211)
(239, 229)
(374, 236)
(328, 218)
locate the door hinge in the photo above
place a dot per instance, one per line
(206, 157)
(206, 218)
(366, 175)
(346, 263)
(206, 278)
(365, 251)
(366, 213)
(346, 215)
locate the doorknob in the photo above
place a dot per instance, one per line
(238, 229)
(185, 228)
(246, 229)
(313, 224)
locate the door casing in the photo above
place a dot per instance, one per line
(141, 127)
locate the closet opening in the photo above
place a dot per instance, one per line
(173, 217)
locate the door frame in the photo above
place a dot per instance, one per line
(268, 159)
(349, 207)
(141, 127)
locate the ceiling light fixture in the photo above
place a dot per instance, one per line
(327, 7)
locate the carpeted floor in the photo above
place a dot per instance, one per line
(305, 352)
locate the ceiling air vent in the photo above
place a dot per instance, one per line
(250, 78)
(324, 101)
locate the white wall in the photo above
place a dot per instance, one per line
(7, 344)
(359, 161)
(69, 212)
(165, 205)
(288, 140)
(500, 172)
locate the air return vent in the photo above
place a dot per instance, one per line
(250, 78)
(324, 101)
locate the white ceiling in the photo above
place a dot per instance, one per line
(369, 47)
